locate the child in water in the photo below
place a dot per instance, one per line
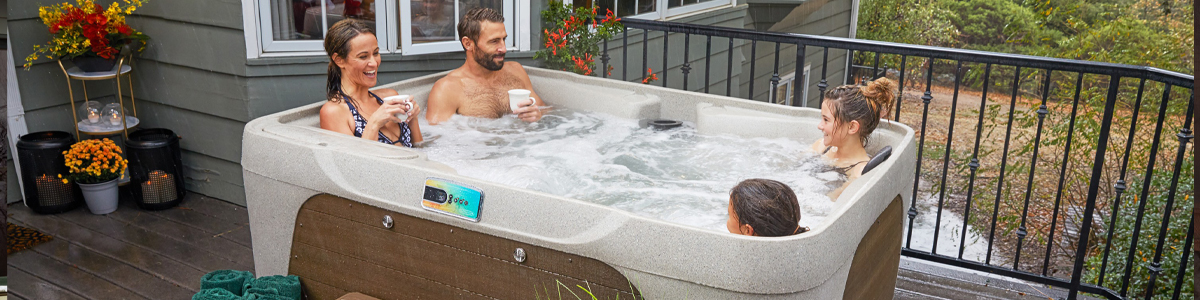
(849, 114)
(763, 207)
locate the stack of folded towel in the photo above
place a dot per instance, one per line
(241, 285)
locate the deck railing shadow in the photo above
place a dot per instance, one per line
(1068, 137)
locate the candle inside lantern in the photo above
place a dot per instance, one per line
(115, 118)
(159, 187)
(52, 191)
(93, 116)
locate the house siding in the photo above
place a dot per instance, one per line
(194, 77)
(832, 19)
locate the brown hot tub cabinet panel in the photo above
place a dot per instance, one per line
(342, 246)
(876, 261)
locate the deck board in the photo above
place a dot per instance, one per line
(131, 253)
(117, 272)
(165, 268)
(165, 245)
(33, 287)
(68, 277)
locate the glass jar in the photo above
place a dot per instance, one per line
(91, 111)
(112, 114)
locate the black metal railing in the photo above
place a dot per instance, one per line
(1070, 166)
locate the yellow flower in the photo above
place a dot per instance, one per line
(64, 181)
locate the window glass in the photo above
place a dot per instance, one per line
(626, 7)
(296, 20)
(433, 21)
(353, 9)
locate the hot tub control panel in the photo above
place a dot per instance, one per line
(452, 198)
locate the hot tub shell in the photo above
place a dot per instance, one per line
(287, 160)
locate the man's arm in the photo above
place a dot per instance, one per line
(443, 102)
(528, 113)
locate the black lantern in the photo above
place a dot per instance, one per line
(155, 168)
(42, 161)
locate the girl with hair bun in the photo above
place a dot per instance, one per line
(849, 114)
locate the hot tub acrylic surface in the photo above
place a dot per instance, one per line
(290, 163)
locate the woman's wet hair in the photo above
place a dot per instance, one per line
(337, 43)
(865, 104)
(768, 206)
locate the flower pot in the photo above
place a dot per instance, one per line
(101, 197)
(94, 63)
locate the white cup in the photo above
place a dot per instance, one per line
(517, 97)
(407, 103)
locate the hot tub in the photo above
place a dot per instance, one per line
(345, 215)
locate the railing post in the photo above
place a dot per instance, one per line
(900, 93)
(666, 43)
(1062, 173)
(797, 85)
(625, 53)
(974, 163)
(928, 97)
(1042, 111)
(824, 84)
(1114, 84)
(1185, 136)
(774, 92)
(707, 62)
(946, 158)
(1012, 106)
(604, 59)
(1120, 185)
(687, 64)
(729, 70)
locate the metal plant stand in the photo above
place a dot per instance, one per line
(127, 122)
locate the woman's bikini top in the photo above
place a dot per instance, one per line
(360, 123)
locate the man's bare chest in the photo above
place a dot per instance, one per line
(487, 99)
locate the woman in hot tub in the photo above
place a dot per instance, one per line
(849, 114)
(352, 108)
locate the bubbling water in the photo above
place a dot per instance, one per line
(675, 175)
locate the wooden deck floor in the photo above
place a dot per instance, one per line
(131, 253)
(137, 254)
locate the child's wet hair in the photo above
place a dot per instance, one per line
(768, 206)
(863, 104)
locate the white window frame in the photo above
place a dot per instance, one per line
(256, 21)
(807, 80)
(788, 83)
(454, 45)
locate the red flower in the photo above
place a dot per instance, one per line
(124, 29)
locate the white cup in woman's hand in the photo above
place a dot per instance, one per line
(408, 104)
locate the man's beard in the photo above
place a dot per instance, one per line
(488, 61)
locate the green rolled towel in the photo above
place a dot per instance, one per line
(233, 281)
(286, 286)
(216, 294)
(265, 294)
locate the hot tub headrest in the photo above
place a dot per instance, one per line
(879, 158)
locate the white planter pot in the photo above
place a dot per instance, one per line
(101, 197)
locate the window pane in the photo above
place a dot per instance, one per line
(432, 21)
(626, 7)
(352, 9)
(466, 5)
(646, 6)
(686, 2)
(296, 20)
(604, 6)
(581, 3)
(674, 3)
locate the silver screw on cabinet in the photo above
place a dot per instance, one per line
(387, 221)
(519, 255)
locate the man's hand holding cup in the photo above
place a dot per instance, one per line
(520, 103)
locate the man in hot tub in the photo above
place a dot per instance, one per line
(480, 87)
